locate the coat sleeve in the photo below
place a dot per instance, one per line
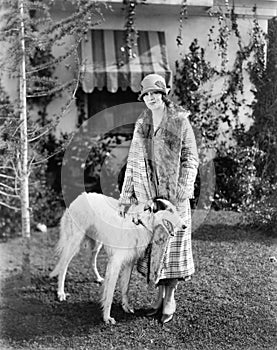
(188, 164)
(127, 195)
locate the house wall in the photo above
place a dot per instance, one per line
(194, 27)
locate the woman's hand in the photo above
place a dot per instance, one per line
(122, 210)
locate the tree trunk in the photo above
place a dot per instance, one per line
(24, 173)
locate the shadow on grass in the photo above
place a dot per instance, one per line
(32, 312)
(227, 233)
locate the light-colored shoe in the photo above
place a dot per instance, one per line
(169, 309)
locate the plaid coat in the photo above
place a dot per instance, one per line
(164, 164)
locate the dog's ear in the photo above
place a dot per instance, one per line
(152, 205)
(159, 204)
(168, 226)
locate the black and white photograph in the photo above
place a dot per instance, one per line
(138, 174)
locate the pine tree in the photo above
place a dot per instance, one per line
(29, 33)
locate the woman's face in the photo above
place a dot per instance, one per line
(153, 100)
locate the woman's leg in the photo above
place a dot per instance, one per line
(169, 303)
(161, 293)
(157, 305)
(166, 289)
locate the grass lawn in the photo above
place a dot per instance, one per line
(229, 304)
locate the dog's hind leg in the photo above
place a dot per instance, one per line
(95, 247)
(124, 286)
(67, 255)
(111, 276)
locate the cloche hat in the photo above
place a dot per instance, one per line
(153, 82)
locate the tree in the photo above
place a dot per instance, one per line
(30, 33)
(8, 129)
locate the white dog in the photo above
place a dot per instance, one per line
(95, 217)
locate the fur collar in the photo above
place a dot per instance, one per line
(163, 161)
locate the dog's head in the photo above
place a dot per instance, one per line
(161, 212)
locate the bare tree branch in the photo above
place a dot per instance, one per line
(6, 167)
(47, 158)
(7, 176)
(40, 135)
(9, 206)
(6, 186)
(9, 195)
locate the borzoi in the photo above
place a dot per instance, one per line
(95, 217)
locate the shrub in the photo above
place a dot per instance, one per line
(84, 165)
(263, 213)
(46, 203)
(237, 182)
(46, 206)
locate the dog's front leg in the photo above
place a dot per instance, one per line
(124, 285)
(112, 272)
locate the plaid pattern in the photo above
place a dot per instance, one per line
(178, 259)
(136, 185)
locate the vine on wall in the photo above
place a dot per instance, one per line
(131, 33)
(193, 71)
(183, 15)
(246, 166)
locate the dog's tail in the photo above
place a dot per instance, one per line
(66, 234)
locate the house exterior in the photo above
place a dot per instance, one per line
(107, 81)
(109, 85)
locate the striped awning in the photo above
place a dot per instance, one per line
(104, 63)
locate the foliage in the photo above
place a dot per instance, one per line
(46, 203)
(195, 78)
(9, 140)
(131, 33)
(41, 35)
(183, 14)
(263, 213)
(263, 131)
(88, 165)
(246, 172)
(237, 181)
(246, 163)
(191, 73)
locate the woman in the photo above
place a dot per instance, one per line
(163, 162)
